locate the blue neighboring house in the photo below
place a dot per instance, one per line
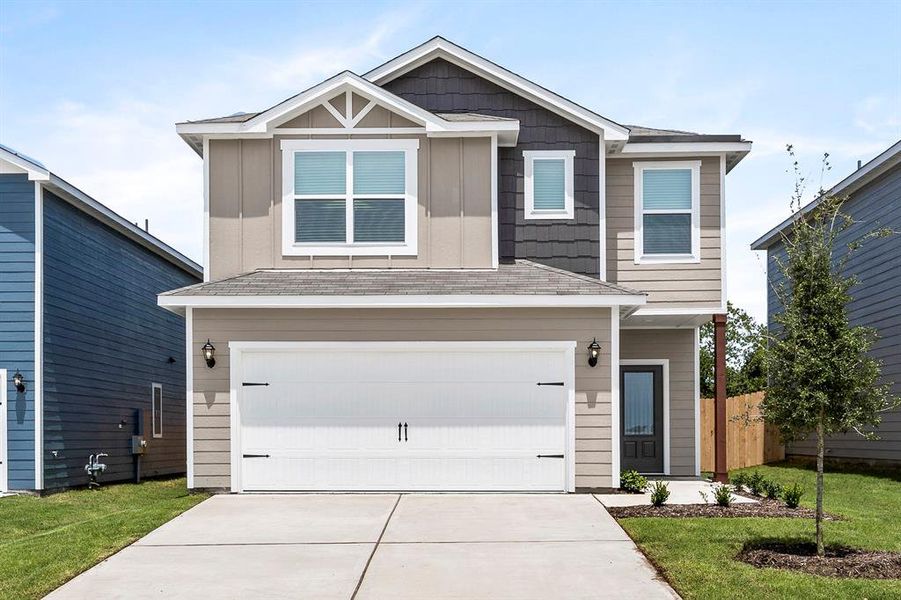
(87, 358)
(873, 194)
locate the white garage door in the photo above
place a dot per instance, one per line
(404, 417)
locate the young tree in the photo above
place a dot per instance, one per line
(821, 380)
(745, 343)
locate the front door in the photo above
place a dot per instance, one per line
(641, 418)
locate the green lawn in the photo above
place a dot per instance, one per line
(696, 555)
(46, 541)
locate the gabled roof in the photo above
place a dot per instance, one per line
(521, 283)
(865, 174)
(439, 47)
(267, 120)
(38, 172)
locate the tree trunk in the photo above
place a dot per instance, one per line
(819, 518)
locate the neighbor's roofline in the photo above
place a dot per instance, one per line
(440, 47)
(80, 200)
(860, 177)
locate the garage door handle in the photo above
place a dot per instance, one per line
(398, 431)
(405, 432)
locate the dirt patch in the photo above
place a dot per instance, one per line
(838, 562)
(763, 508)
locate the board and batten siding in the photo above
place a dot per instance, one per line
(211, 386)
(440, 86)
(17, 256)
(454, 218)
(105, 342)
(688, 285)
(876, 303)
(677, 346)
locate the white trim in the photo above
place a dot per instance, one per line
(153, 388)
(567, 156)
(332, 131)
(189, 394)
(411, 301)
(495, 231)
(638, 251)
(4, 416)
(615, 443)
(697, 401)
(206, 209)
(34, 171)
(602, 208)
(657, 362)
(37, 387)
(723, 294)
(440, 48)
(649, 311)
(349, 248)
(695, 148)
(236, 350)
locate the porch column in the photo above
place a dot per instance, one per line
(721, 471)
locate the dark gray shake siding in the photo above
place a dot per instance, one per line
(876, 304)
(17, 323)
(440, 86)
(105, 342)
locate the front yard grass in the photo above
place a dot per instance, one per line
(697, 555)
(44, 542)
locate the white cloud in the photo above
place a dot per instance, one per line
(879, 115)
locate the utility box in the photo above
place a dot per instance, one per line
(138, 444)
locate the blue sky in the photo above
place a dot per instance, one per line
(94, 89)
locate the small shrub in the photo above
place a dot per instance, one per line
(756, 483)
(704, 496)
(739, 480)
(723, 495)
(632, 481)
(792, 495)
(772, 489)
(659, 493)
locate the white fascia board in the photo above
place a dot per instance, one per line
(411, 301)
(441, 48)
(35, 172)
(695, 148)
(648, 311)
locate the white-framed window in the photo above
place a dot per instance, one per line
(156, 409)
(349, 197)
(667, 211)
(549, 184)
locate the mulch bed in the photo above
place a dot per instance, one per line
(765, 507)
(838, 562)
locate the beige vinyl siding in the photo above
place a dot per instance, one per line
(211, 386)
(454, 222)
(671, 285)
(678, 346)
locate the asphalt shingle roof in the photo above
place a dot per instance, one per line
(521, 277)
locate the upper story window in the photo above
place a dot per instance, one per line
(156, 410)
(667, 212)
(349, 197)
(549, 184)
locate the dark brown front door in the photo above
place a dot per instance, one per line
(641, 418)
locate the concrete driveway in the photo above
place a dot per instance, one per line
(392, 546)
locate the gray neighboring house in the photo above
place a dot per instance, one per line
(442, 276)
(874, 200)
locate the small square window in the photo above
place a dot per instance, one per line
(549, 184)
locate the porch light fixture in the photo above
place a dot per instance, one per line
(209, 354)
(594, 350)
(19, 381)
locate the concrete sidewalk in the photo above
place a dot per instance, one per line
(380, 546)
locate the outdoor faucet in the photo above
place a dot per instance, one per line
(95, 468)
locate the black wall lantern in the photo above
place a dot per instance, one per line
(594, 350)
(209, 354)
(19, 381)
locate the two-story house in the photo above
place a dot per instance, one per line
(443, 276)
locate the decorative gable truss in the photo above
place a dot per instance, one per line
(347, 104)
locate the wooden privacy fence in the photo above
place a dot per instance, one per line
(748, 442)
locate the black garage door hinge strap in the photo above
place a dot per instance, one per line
(557, 383)
(255, 456)
(550, 456)
(250, 383)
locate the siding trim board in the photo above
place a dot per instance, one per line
(38, 336)
(4, 446)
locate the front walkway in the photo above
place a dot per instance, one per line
(380, 546)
